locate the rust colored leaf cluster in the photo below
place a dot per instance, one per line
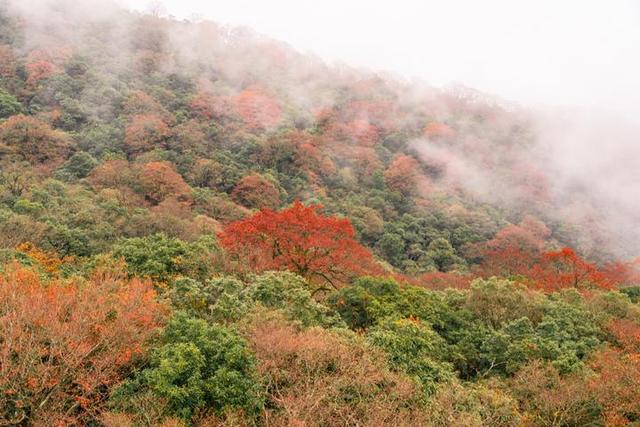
(62, 343)
(301, 239)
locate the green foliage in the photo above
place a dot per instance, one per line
(494, 328)
(9, 105)
(565, 334)
(78, 166)
(68, 240)
(163, 258)
(226, 299)
(414, 348)
(392, 246)
(633, 292)
(222, 299)
(25, 206)
(442, 255)
(291, 294)
(497, 301)
(199, 365)
(370, 300)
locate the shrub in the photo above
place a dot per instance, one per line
(321, 377)
(413, 348)
(199, 366)
(63, 344)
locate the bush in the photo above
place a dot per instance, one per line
(199, 366)
(64, 343)
(372, 299)
(162, 258)
(288, 292)
(9, 105)
(413, 348)
(473, 405)
(78, 166)
(322, 377)
(222, 299)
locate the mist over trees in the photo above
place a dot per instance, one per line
(201, 226)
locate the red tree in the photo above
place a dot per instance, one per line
(300, 239)
(254, 191)
(259, 109)
(140, 103)
(402, 174)
(159, 181)
(514, 250)
(40, 70)
(111, 174)
(616, 385)
(208, 106)
(623, 273)
(565, 269)
(439, 131)
(144, 132)
(63, 344)
(34, 140)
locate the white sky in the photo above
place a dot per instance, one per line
(561, 52)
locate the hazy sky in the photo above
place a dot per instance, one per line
(567, 52)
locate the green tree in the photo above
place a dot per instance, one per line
(9, 105)
(442, 254)
(413, 347)
(163, 258)
(199, 366)
(78, 166)
(290, 293)
(392, 247)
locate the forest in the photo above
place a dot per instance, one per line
(200, 226)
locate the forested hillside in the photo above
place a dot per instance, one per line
(201, 226)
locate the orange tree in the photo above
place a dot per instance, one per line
(63, 344)
(565, 269)
(300, 239)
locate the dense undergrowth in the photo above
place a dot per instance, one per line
(236, 234)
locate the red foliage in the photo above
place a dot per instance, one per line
(402, 175)
(40, 70)
(209, 106)
(531, 182)
(626, 333)
(140, 103)
(518, 250)
(62, 344)
(144, 133)
(111, 174)
(254, 191)
(363, 132)
(302, 240)
(616, 385)
(515, 250)
(439, 131)
(623, 273)
(159, 181)
(439, 280)
(565, 269)
(366, 161)
(259, 109)
(34, 140)
(318, 377)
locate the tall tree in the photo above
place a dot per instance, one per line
(301, 239)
